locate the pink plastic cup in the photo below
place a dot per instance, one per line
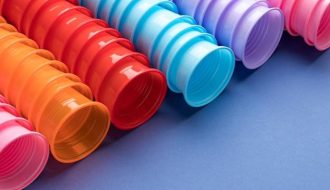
(23, 153)
(309, 19)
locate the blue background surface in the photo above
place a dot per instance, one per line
(270, 130)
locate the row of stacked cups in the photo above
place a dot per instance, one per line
(168, 35)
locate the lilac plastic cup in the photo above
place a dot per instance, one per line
(249, 27)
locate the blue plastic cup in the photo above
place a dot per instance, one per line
(168, 37)
(147, 39)
(198, 68)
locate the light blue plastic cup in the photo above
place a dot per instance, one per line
(137, 13)
(193, 60)
(200, 69)
(173, 33)
(147, 37)
(137, 17)
(169, 36)
(208, 73)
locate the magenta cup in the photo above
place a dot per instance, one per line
(23, 153)
(309, 19)
(249, 27)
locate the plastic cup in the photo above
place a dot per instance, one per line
(23, 71)
(23, 153)
(145, 37)
(79, 124)
(152, 16)
(255, 43)
(10, 54)
(57, 103)
(250, 28)
(172, 29)
(287, 11)
(203, 73)
(162, 21)
(309, 19)
(146, 84)
(165, 42)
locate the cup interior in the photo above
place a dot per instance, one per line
(80, 133)
(139, 99)
(323, 31)
(210, 77)
(22, 161)
(263, 39)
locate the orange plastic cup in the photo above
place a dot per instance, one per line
(57, 103)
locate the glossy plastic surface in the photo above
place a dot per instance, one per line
(309, 19)
(249, 27)
(23, 152)
(56, 102)
(189, 57)
(118, 76)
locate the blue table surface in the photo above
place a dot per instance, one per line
(270, 130)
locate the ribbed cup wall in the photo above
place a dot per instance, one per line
(249, 27)
(23, 152)
(118, 76)
(189, 57)
(56, 102)
(309, 19)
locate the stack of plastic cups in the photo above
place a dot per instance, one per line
(249, 27)
(189, 57)
(310, 19)
(23, 152)
(56, 102)
(119, 77)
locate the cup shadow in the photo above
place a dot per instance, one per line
(289, 44)
(296, 45)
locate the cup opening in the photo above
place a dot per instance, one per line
(263, 39)
(139, 100)
(22, 161)
(323, 31)
(210, 77)
(81, 133)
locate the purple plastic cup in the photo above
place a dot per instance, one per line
(249, 27)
